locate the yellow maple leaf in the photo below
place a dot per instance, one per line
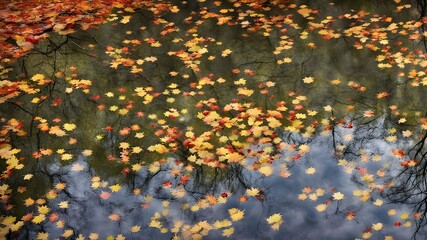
(252, 192)
(321, 207)
(35, 100)
(158, 148)
(87, 152)
(43, 209)
(8, 220)
(367, 235)
(313, 196)
(310, 170)
(178, 193)
(267, 170)
(226, 52)
(93, 236)
(275, 218)
(77, 167)
(235, 157)
(136, 167)
(287, 60)
(51, 194)
(228, 232)
(275, 221)
(28, 202)
(273, 122)
(150, 59)
(63, 204)
(328, 108)
(66, 156)
(42, 236)
(302, 196)
(155, 223)
(320, 192)
(57, 131)
(135, 229)
(377, 226)
(391, 212)
(39, 218)
(378, 202)
(28, 176)
(407, 133)
(124, 145)
(404, 216)
(222, 223)
(37, 77)
(241, 81)
(300, 116)
(125, 19)
(245, 91)
(338, 196)
(335, 82)
(304, 11)
(60, 186)
(69, 126)
(15, 227)
(236, 214)
(154, 167)
(139, 135)
(80, 237)
(391, 138)
(67, 233)
(304, 148)
(308, 80)
(115, 188)
(136, 149)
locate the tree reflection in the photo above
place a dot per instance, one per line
(202, 138)
(410, 185)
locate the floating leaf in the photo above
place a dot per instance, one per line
(63, 204)
(228, 232)
(308, 80)
(236, 214)
(310, 170)
(135, 229)
(253, 192)
(267, 170)
(115, 187)
(321, 207)
(69, 126)
(114, 217)
(377, 226)
(275, 221)
(338, 196)
(77, 167)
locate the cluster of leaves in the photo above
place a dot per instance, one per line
(198, 128)
(25, 23)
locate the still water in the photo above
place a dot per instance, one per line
(157, 127)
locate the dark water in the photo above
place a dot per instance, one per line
(198, 113)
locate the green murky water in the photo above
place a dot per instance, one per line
(170, 132)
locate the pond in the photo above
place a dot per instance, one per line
(220, 119)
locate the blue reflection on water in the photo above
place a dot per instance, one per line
(89, 214)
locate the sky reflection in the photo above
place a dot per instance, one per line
(301, 220)
(160, 127)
